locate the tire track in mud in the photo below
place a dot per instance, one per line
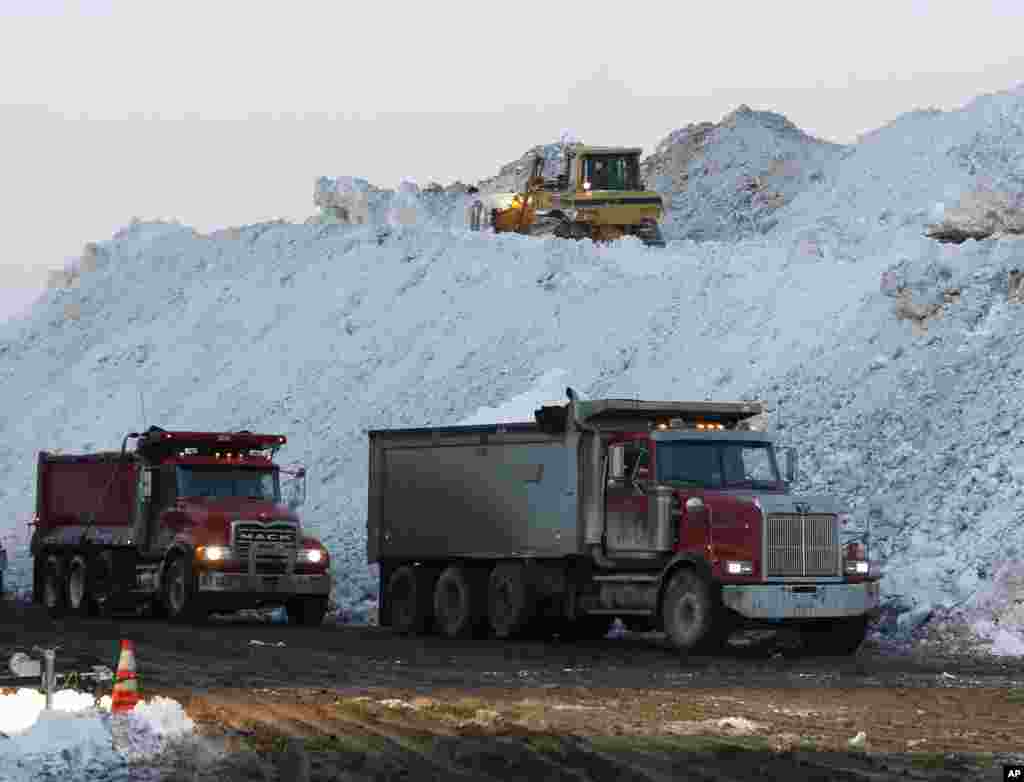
(366, 704)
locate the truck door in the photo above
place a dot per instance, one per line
(692, 468)
(159, 491)
(626, 498)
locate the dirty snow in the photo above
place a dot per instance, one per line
(910, 414)
(79, 739)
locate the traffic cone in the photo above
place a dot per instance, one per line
(126, 687)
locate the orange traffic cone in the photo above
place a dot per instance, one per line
(126, 688)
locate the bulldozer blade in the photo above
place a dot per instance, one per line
(651, 236)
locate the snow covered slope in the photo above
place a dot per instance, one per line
(726, 180)
(324, 331)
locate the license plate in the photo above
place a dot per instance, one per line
(804, 612)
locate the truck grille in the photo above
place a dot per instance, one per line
(268, 547)
(801, 546)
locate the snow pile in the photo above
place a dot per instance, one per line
(892, 360)
(342, 200)
(981, 214)
(549, 387)
(349, 200)
(727, 180)
(511, 177)
(922, 434)
(77, 740)
(993, 615)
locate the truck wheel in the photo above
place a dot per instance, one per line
(457, 598)
(410, 598)
(306, 611)
(54, 588)
(836, 637)
(179, 592)
(689, 614)
(510, 600)
(79, 601)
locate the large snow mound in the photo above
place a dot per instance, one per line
(725, 181)
(891, 358)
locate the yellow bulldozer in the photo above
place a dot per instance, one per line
(598, 195)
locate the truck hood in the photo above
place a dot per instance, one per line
(788, 503)
(233, 508)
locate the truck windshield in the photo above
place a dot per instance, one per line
(228, 482)
(720, 465)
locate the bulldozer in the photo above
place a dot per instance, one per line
(598, 195)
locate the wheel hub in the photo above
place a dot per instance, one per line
(76, 587)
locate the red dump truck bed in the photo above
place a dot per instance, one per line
(72, 487)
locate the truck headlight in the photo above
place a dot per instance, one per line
(313, 555)
(213, 553)
(739, 568)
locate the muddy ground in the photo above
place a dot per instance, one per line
(340, 702)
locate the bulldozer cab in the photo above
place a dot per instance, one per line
(604, 168)
(610, 172)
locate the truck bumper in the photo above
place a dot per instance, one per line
(265, 587)
(781, 601)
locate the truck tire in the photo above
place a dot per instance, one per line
(837, 637)
(80, 600)
(306, 611)
(511, 604)
(410, 597)
(54, 587)
(458, 598)
(690, 615)
(179, 592)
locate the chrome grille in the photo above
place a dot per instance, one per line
(268, 548)
(801, 546)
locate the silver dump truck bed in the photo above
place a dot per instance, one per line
(484, 491)
(509, 489)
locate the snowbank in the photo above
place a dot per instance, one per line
(724, 181)
(996, 611)
(78, 739)
(324, 331)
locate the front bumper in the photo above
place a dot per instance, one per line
(782, 601)
(282, 585)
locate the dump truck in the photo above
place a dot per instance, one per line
(599, 195)
(671, 516)
(187, 524)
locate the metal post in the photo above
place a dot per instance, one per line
(49, 676)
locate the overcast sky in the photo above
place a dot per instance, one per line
(222, 113)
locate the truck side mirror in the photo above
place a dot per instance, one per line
(790, 466)
(296, 489)
(147, 484)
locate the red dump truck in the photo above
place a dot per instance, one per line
(189, 522)
(669, 515)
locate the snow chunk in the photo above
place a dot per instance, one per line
(981, 214)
